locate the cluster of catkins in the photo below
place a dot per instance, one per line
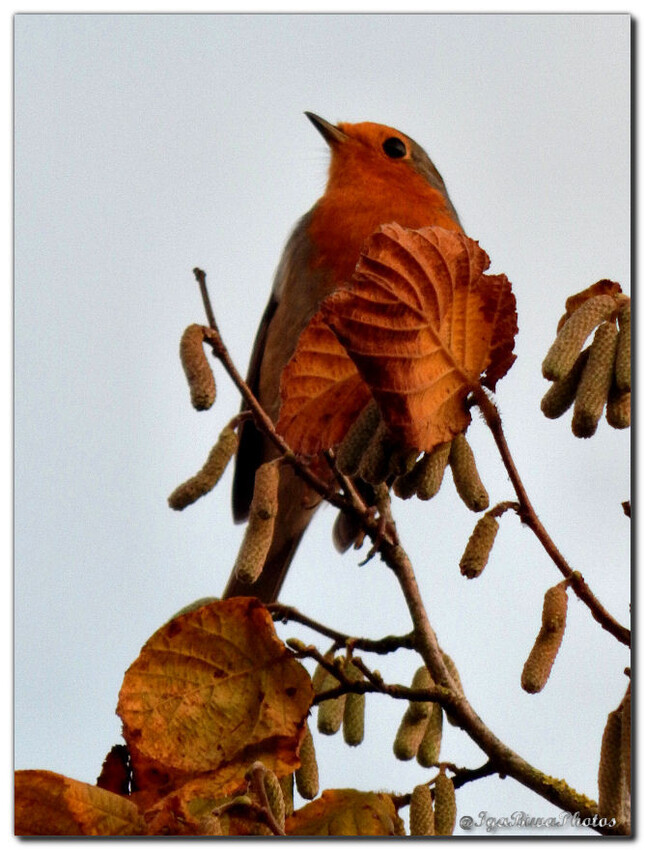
(201, 383)
(279, 792)
(419, 736)
(436, 816)
(598, 377)
(369, 453)
(347, 710)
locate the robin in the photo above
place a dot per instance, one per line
(376, 175)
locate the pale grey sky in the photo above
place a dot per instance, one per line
(148, 144)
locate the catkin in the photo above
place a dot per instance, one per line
(445, 805)
(564, 351)
(554, 608)
(623, 366)
(424, 479)
(540, 661)
(595, 382)
(430, 746)
(464, 472)
(254, 549)
(409, 736)
(318, 680)
(330, 715)
(275, 797)
(611, 785)
(433, 470)
(479, 547)
(451, 667)
(421, 811)
(356, 440)
(330, 712)
(286, 784)
(265, 490)
(405, 486)
(422, 679)
(561, 395)
(208, 475)
(354, 711)
(619, 409)
(374, 466)
(259, 531)
(197, 368)
(307, 773)
(354, 719)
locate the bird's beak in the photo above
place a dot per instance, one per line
(330, 133)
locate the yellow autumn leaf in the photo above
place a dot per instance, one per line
(48, 803)
(346, 812)
(212, 691)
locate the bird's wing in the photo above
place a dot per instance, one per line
(296, 291)
(251, 447)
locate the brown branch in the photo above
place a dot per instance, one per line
(462, 775)
(345, 482)
(208, 308)
(382, 646)
(327, 491)
(507, 762)
(530, 518)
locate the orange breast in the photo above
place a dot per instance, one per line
(343, 219)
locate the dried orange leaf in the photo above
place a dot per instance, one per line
(212, 691)
(421, 322)
(602, 287)
(192, 809)
(322, 392)
(346, 812)
(48, 803)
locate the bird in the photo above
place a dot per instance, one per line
(377, 175)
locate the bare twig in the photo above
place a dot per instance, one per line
(529, 517)
(382, 646)
(208, 308)
(462, 775)
(507, 762)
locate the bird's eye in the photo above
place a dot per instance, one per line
(394, 147)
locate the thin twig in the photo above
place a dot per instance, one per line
(208, 307)
(462, 775)
(446, 692)
(348, 503)
(529, 517)
(381, 646)
(507, 762)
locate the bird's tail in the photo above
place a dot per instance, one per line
(297, 504)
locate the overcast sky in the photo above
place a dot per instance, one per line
(147, 145)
